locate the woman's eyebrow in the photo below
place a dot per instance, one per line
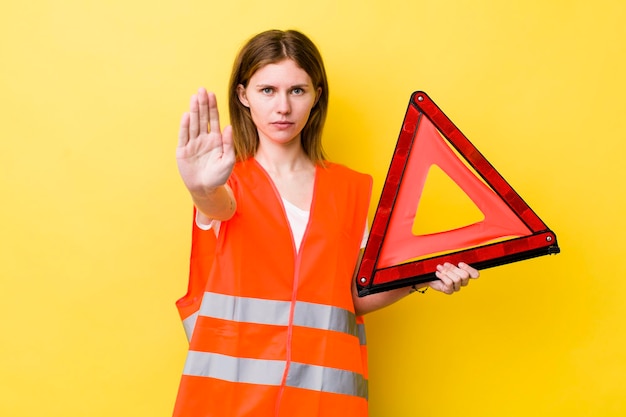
(300, 85)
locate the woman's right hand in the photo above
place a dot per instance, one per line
(205, 155)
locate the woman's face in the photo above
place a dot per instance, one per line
(280, 97)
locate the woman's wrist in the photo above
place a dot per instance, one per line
(420, 289)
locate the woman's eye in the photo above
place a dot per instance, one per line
(267, 90)
(298, 91)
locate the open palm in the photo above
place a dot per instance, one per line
(205, 155)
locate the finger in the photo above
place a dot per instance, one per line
(463, 276)
(214, 115)
(193, 117)
(183, 132)
(473, 272)
(442, 273)
(203, 109)
(447, 282)
(457, 276)
(228, 148)
(456, 285)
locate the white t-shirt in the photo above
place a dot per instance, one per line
(298, 220)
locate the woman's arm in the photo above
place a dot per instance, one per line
(451, 279)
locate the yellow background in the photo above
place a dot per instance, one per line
(95, 222)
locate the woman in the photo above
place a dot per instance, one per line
(272, 314)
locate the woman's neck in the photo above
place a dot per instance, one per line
(291, 171)
(283, 160)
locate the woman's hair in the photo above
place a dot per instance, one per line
(271, 47)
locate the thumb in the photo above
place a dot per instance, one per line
(227, 141)
(439, 285)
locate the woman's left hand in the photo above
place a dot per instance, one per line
(453, 277)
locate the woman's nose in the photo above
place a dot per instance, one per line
(284, 105)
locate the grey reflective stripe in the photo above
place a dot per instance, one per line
(245, 310)
(320, 316)
(228, 368)
(319, 378)
(270, 372)
(273, 312)
(360, 329)
(189, 324)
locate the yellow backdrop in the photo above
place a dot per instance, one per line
(95, 223)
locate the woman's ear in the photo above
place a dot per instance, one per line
(241, 93)
(318, 95)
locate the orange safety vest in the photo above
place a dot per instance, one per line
(273, 332)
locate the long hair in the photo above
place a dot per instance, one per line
(271, 47)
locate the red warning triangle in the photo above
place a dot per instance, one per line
(397, 256)
(432, 216)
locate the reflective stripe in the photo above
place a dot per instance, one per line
(189, 324)
(320, 316)
(228, 368)
(270, 372)
(319, 378)
(360, 329)
(273, 312)
(245, 310)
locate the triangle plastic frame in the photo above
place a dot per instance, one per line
(538, 240)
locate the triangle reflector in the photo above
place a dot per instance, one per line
(400, 253)
(432, 216)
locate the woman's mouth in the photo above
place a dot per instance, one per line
(282, 124)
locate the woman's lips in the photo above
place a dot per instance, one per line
(282, 124)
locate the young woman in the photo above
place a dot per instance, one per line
(272, 315)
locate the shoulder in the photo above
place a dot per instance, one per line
(244, 166)
(339, 172)
(245, 171)
(245, 176)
